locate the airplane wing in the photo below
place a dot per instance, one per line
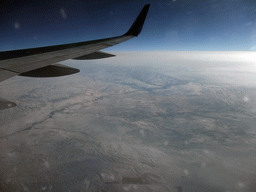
(43, 61)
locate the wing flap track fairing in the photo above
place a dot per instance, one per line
(95, 55)
(51, 71)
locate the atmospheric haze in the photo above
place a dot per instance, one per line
(142, 121)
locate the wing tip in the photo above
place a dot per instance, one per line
(136, 27)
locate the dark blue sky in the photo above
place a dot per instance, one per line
(204, 25)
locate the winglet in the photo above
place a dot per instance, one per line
(138, 23)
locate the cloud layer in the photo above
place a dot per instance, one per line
(134, 122)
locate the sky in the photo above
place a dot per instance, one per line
(171, 25)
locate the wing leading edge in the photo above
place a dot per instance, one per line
(43, 61)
